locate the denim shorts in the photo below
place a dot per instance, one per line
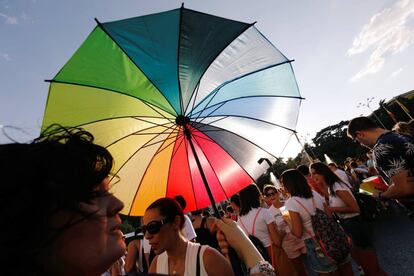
(319, 262)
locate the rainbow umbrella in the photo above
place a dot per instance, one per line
(185, 101)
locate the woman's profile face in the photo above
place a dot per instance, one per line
(318, 178)
(161, 231)
(94, 244)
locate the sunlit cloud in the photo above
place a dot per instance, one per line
(5, 56)
(9, 19)
(386, 33)
(25, 16)
(396, 73)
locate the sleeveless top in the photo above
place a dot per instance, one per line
(190, 260)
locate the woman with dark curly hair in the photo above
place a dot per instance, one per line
(58, 187)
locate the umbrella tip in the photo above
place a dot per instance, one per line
(182, 5)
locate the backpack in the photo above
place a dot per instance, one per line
(368, 205)
(255, 240)
(329, 235)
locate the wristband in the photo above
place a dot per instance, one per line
(262, 267)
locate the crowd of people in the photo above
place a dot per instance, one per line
(61, 219)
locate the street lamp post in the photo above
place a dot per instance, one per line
(369, 100)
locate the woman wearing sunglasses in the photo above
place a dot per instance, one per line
(162, 224)
(294, 247)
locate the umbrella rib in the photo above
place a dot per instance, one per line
(139, 68)
(215, 173)
(140, 182)
(155, 124)
(126, 161)
(108, 89)
(163, 148)
(205, 107)
(212, 140)
(172, 156)
(162, 141)
(222, 129)
(217, 89)
(172, 121)
(243, 97)
(248, 25)
(212, 122)
(258, 120)
(195, 97)
(137, 133)
(204, 117)
(178, 60)
(179, 145)
(191, 175)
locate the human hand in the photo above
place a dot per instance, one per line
(376, 195)
(230, 234)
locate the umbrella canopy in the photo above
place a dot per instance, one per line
(178, 97)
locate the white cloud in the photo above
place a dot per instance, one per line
(9, 19)
(386, 33)
(5, 56)
(25, 16)
(396, 73)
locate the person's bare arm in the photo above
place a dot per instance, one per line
(132, 256)
(296, 220)
(274, 234)
(216, 264)
(153, 266)
(402, 186)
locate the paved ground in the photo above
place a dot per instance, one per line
(394, 237)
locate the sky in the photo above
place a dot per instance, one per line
(345, 51)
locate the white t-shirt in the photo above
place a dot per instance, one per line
(260, 228)
(188, 229)
(336, 201)
(292, 205)
(342, 175)
(280, 222)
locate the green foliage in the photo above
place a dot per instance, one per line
(129, 224)
(334, 142)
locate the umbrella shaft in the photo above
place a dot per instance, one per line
(200, 168)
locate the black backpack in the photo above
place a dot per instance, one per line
(368, 205)
(255, 240)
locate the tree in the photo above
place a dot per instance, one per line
(334, 141)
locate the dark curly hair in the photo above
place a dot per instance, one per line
(56, 172)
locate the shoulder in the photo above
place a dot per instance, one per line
(267, 215)
(291, 204)
(214, 262)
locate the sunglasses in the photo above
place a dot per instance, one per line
(154, 226)
(270, 194)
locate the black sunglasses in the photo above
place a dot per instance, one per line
(270, 194)
(154, 226)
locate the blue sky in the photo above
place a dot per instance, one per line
(344, 51)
